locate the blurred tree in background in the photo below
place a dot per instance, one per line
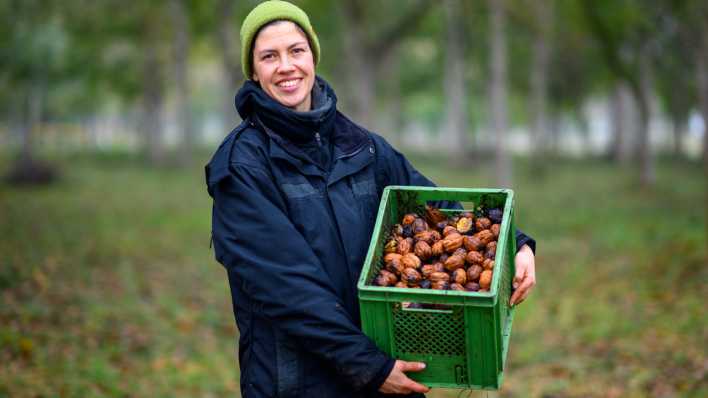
(453, 75)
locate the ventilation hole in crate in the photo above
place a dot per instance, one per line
(429, 333)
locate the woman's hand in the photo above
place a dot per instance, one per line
(525, 278)
(398, 383)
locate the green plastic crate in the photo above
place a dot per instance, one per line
(464, 344)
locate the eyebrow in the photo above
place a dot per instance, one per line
(298, 43)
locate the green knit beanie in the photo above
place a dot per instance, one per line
(264, 13)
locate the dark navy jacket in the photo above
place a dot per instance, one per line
(295, 200)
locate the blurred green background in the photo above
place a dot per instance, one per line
(592, 111)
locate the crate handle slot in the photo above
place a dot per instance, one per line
(426, 310)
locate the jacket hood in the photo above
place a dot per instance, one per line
(297, 127)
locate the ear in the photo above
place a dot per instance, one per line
(254, 77)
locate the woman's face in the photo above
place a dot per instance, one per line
(283, 65)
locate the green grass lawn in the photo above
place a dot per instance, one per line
(108, 286)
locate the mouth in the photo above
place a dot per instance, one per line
(288, 84)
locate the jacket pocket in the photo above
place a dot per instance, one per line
(288, 366)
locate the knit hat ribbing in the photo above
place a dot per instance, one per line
(270, 11)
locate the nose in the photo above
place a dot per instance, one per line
(286, 65)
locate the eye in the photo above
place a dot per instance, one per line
(298, 50)
(267, 57)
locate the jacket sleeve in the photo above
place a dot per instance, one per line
(399, 171)
(255, 240)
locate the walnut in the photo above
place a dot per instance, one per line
(460, 252)
(472, 286)
(391, 246)
(405, 246)
(419, 225)
(440, 285)
(495, 230)
(397, 230)
(423, 250)
(459, 276)
(464, 225)
(485, 236)
(392, 256)
(472, 243)
(473, 272)
(452, 242)
(485, 279)
(488, 264)
(434, 216)
(436, 235)
(401, 284)
(474, 257)
(427, 269)
(425, 236)
(449, 230)
(482, 223)
(411, 276)
(454, 262)
(408, 219)
(490, 253)
(457, 286)
(437, 248)
(395, 266)
(439, 267)
(410, 260)
(439, 276)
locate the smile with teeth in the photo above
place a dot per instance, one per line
(288, 83)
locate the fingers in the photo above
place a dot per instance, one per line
(398, 383)
(520, 274)
(411, 366)
(523, 290)
(416, 387)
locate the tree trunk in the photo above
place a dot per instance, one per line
(702, 83)
(153, 98)
(390, 121)
(230, 63)
(498, 94)
(539, 73)
(618, 109)
(647, 175)
(181, 62)
(455, 129)
(364, 53)
(678, 125)
(35, 100)
(360, 65)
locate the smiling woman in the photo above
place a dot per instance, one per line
(296, 189)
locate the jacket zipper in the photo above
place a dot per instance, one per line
(318, 138)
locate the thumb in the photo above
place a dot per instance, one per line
(412, 366)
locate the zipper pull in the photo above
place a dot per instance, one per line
(318, 138)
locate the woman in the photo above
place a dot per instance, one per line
(296, 189)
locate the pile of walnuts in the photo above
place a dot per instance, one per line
(437, 252)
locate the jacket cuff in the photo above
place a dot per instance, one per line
(523, 239)
(381, 375)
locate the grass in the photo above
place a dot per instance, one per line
(108, 286)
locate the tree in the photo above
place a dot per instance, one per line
(625, 32)
(367, 45)
(498, 91)
(180, 60)
(543, 25)
(455, 129)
